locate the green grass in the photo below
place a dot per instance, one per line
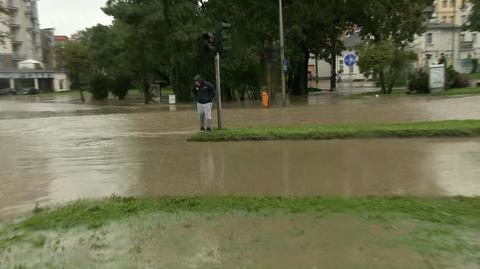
(96, 213)
(474, 76)
(465, 128)
(403, 93)
(460, 91)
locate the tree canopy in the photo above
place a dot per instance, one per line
(152, 40)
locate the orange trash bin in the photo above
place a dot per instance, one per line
(266, 100)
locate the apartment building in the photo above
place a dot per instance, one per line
(445, 37)
(452, 11)
(6, 60)
(21, 31)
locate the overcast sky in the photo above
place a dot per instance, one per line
(69, 16)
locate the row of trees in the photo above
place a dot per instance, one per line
(161, 40)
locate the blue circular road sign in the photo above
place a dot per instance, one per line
(350, 59)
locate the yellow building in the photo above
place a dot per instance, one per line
(449, 11)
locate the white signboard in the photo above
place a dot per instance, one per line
(437, 77)
(172, 99)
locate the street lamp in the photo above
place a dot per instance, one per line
(282, 54)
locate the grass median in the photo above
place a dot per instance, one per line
(404, 93)
(464, 128)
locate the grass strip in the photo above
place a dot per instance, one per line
(464, 128)
(403, 93)
(96, 213)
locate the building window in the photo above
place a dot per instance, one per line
(474, 38)
(452, 19)
(429, 38)
(444, 3)
(452, 3)
(444, 19)
(62, 81)
(462, 37)
(464, 19)
(341, 66)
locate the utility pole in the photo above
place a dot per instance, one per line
(282, 54)
(219, 88)
(454, 30)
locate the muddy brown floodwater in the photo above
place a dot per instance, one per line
(54, 151)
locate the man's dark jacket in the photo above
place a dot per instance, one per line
(204, 94)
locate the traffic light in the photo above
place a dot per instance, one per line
(225, 36)
(210, 41)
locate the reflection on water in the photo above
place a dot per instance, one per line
(142, 151)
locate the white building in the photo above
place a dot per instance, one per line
(321, 68)
(445, 36)
(21, 30)
(445, 39)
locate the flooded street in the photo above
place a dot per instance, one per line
(53, 150)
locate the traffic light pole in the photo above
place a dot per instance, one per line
(219, 90)
(282, 54)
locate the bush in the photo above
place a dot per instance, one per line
(452, 76)
(461, 81)
(99, 85)
(419, 82)
(120, 86)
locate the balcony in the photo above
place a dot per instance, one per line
(12, 5)
(14, 25)
(17, 42)
(466, 45)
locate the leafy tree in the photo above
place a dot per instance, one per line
(160, 38)
(390, 25)
(247, 64)
(474, 19)
(395, 20)
(99, 85)
(386, 58)
(316, 28)
(74, 57)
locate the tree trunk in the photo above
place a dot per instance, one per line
(301, 79)
(392, 80)
(381, 74)
(146, 88)
(333, 68)
(82, 97)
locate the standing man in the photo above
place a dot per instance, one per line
(204, 93)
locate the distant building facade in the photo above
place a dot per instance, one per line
(27, 53)
(445, 37)
(48, 47)
(23, 31)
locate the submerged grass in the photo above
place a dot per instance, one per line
(465, 128)
(96, 213)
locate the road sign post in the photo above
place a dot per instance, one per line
(350, 60)
(218, 90)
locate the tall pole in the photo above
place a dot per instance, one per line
(282, 54)
(454, 30)
(219, 89)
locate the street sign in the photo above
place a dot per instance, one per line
(350, 59)
(285, 66)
